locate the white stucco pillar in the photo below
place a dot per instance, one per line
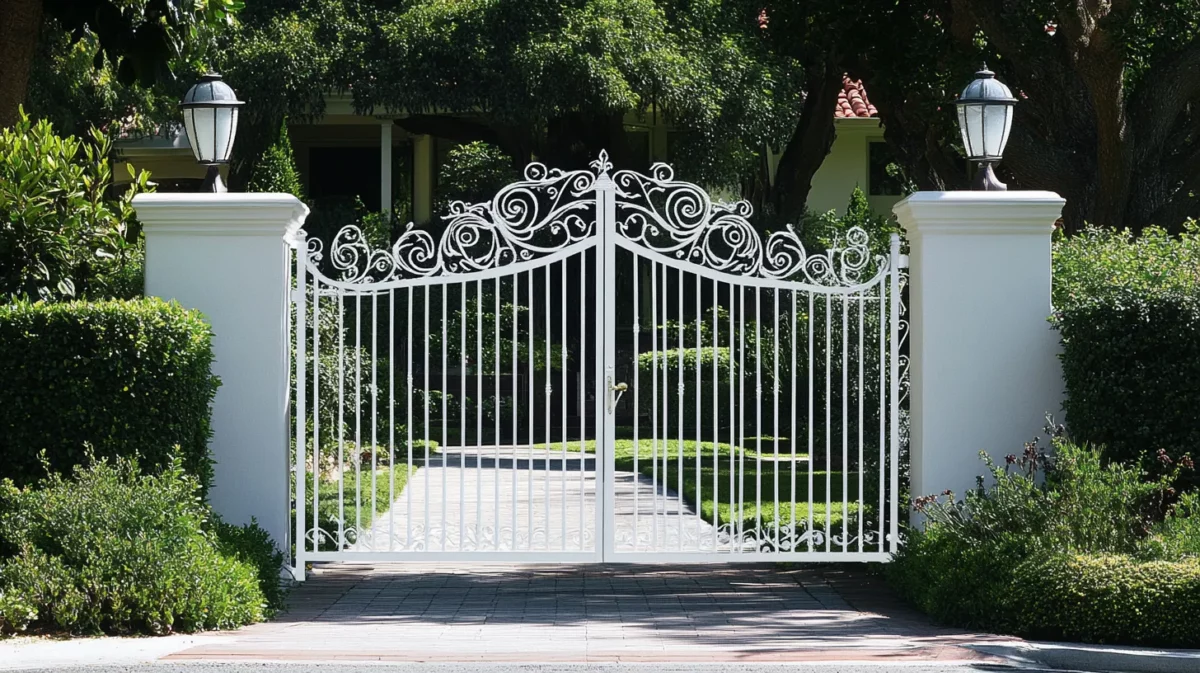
(226, 256)
(423, 167)
(983, 358)
(385, 165)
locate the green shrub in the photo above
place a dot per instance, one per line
(1178, 535)
(1108, 599)
(61, 235)
(674, 362)
(1033, 523)
(112, 550)
(1128, 311)
(275, 170)
(473, 173)
(128, 377)
(252, 545)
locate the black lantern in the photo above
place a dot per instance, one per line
(210, 115)
(985, 111)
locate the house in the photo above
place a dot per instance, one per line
(346, 155)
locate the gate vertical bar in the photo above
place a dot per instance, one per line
(606, 354)
(301, 375)
(894, 374)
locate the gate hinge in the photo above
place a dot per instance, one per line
(903, 262)
(294, 295)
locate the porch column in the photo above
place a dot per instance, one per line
(385, 165)
(226, 256)
(423, 179)
(984, 366)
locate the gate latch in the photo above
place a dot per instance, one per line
(619, 389)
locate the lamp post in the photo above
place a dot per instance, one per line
(210, 116)
(985, 111)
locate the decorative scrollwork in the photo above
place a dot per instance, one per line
(679, 219)
(533, 217)
(418, 537)
(731, 538)
(550, 209)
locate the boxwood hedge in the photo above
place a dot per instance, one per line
(1128, 311)
(1108, 599)
(125, 377)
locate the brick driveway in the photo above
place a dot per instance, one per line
(424, 612)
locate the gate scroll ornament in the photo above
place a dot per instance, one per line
(663, 214)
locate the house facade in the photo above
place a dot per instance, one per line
(348, 156)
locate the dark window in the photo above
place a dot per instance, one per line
(345, 173)
(881, 182)
(639, 148)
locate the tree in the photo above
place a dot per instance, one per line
(144, 38)
(1109, 109)
(822, 40)
(546, 77)
(276, 168)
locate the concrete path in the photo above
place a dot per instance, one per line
(537, 499)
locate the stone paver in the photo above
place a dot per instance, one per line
(588, 613)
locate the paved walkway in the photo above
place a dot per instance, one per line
(536, 499)
(582, 614)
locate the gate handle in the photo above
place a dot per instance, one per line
(619, 389)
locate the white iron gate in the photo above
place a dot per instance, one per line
(597, 366)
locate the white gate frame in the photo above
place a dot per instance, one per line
(689, 233)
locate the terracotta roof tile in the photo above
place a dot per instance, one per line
(852, 101)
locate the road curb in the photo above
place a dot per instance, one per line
(1100, 658)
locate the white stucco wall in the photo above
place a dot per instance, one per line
(847, 166)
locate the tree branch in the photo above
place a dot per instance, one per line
(1163, 94)
(19, 29)
(810, 142)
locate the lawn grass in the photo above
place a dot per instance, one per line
(355, 488)
(762, 494)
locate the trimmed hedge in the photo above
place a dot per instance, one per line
(1128, 311)
(1131, 364)
(126, 377)
(1108, 599)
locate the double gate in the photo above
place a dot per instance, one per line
(597, 365)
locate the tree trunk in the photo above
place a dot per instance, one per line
(810, 142)
(20, 24)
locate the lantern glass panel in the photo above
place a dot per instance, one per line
(962, 127)
(225, 126)
(201, 131)
(1008, 120)
(973, 134)
(995, 129)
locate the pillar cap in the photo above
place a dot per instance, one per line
(975, 212)
(238, 214)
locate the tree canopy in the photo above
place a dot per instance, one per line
(1109, 89)
(1109, 98)
(141, 39)
(548, 77)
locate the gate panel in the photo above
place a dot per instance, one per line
(445, 395)
(763, 423)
